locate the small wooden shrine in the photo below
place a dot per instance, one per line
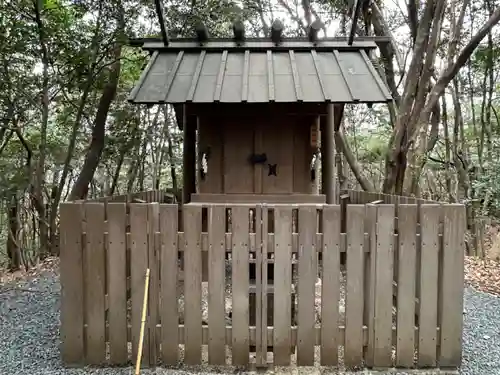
(255, 111)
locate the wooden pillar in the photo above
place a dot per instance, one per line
(189, 157)
(190, 124)
(323, 159)
(328, 157)
(315, 144)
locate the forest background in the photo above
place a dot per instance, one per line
(68, 132)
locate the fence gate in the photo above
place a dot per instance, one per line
(285, 253)
(251, 293)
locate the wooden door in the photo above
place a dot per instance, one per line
(238, 146)
(232, 141)
(277, 142)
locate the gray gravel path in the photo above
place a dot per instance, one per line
(29, 323)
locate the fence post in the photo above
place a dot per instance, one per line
(71, 268)
(453, 285)
(371, 219)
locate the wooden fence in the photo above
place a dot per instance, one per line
(148, 196)
(345, 316)
(364, 197)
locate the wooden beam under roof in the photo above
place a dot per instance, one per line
(264, 43)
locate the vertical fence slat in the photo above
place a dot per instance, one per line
(353, 352)
(216, 286)
(371, 227)
(95, 270)
(429, 218)
(240, 269)
(260, 346)
(264, 230)
(282, 285)
(168, 274)
(395, 243)
(382, 352)
(72, 290)
(117, 278)
(407, 224)
(153, 227)
(139, 264)
(330, 286)
(369, 282)
(192, 284)
(453, 281)
(307, 279)
(418, 260)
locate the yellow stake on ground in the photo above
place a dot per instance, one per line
(143, 322)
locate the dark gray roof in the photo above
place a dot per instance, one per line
(257, 75)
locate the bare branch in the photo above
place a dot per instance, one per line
(462, 58)
(293, 15)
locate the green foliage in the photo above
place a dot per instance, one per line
(487, 185)
(80, 37)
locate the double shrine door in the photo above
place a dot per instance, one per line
(256, 156)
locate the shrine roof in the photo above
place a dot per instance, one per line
(259, 71)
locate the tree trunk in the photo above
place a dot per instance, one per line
(170, 151)
(388, 51)
(396, 160)
(132, 169)
(404, 131)
(351, 160)
(98, 132)
(417, 154)
(13, 248)
(425, 146)
(156, 152)
(53, 239)
(39, 183)
(142, 163)
(116, 175)
(447, 153)
(74, 131)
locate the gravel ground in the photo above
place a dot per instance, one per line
(29, 320)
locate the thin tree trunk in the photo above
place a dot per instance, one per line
(116, 175)
(98, 132)
(447, 152)
(351, 160)
(76, 125)
(13, 248)
(170, 151)
(142, 162)
(339, 155)
(388, 51)
(129, 146)
(491, 87)
(39, 183)
(156, 155)
(484, 126)
(132, 170)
